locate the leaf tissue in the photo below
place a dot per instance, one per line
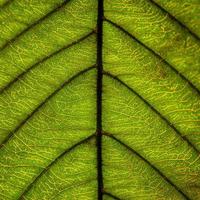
(100, 100)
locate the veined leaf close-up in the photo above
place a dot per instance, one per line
(100, 99)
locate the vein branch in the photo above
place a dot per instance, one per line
(29, 116)
(175, 19)
(150, 164)
(156, 54)
(33, 24)
(53, 162)
(7, 3)
(154, 110)
(20, 76)
(111, 195)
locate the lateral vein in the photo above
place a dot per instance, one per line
(156, 54)
(150, 164)
(175, 19)
(30, 115)
(34, 23)
(184, 138)
(28, 188)
(43, 60)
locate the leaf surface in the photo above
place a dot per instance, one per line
(99, 100)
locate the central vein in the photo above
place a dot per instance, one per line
(99, 98)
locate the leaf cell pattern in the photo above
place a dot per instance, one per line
(99, 99)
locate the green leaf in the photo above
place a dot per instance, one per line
(99, 99)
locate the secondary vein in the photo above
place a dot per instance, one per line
(33, 24)
(150, 164)
(175, 19)
(53, 162)
(30, 115)
(184, 138)
(194, 87)
(7, 3)
(112, 196)
(44, 59)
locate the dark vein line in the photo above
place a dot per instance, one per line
(111, 195)
(99, 98)
(28, 188)
(43, 60)
(150, 164)
(175, 19)
(6, 4)
(34, 24)
(156, 54)
(29, 116)
(155, 110)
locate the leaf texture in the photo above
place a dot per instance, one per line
(99, 100)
